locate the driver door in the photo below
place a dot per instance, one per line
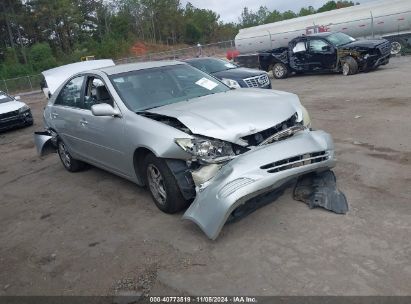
(322, 55)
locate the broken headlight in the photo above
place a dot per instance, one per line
(305, 117)
(206, 150)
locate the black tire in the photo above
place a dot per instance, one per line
(71, 164)
(173, 201)
(280, 70)
(349, 66)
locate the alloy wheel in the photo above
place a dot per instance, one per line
(395, 47)
(279, 71)
(346, 69)
(156, 184)
(64, 155)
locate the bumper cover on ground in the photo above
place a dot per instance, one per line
(258, 171)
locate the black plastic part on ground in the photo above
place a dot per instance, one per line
(320, 190)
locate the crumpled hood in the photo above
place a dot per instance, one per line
(11, 106)
(233, 114)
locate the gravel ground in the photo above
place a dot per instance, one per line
(93, 233)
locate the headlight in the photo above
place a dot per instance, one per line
(366, 56)
(231, 83)
(24, 109)
(207, 150)
(306, 117)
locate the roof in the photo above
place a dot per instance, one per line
(123, 68)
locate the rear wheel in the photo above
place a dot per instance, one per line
(349, 66)
(396, 47)
(162, 185)
(71, 164)
(280, 70)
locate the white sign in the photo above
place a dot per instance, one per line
(205, 83)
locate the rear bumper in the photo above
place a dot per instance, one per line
(258, 171)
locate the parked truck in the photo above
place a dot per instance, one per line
(270, 46)
(381, 19)
(323, 52)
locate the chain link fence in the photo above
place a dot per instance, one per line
(21, 84)
(213, 49)
(32, 82)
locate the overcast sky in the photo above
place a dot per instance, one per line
(230, 10)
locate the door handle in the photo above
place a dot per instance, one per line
(83, 122)
(54, 115)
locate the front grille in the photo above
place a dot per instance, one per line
(257, 138)
(296, 161)
(257, 81)
(9, 114)
(385, 48)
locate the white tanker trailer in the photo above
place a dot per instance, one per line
(382, 19)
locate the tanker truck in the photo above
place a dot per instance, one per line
(265, 45)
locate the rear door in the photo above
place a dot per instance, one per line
(102, 137)
(66, 113)
(298, 54)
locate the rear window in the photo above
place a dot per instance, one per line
(5, 98)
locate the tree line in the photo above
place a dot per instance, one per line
(40, 34)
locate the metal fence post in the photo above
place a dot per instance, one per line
(31, 86)
(5, 85)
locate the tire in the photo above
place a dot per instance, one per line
(71, 164)
(162, 185)
(349, 66)
(280, 71)
(397, 45)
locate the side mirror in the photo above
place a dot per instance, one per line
(104, 109)
(17, 97)
(326, 48)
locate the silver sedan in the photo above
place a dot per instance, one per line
(189, 138)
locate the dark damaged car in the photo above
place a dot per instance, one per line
(325, 52)
(186, 136)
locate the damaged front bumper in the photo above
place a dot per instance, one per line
(258, 171)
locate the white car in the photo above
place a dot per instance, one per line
(13, 113)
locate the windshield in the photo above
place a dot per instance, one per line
(151, 88)
(5, 98)
(338, 39)
(212, 65)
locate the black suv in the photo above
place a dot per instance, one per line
(231, 74)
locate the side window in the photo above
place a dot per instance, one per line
(96, 92)
(318, 46)
(300, 47)
(70, 95)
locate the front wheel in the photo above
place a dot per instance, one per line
(280, 71)
(349, 66)
(71, 164)
(162, 184)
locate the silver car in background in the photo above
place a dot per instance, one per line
(186, 136)
(13, 112)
